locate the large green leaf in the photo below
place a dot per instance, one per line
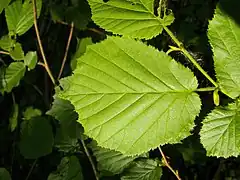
(220, 132)
(11, 77)
(3, 4)
(131, 18)
(20, 16)
(4, 174)
(144, 169)
(130, 97)
(224, 36)
(36, 138)
(68, 169)
(110, 160)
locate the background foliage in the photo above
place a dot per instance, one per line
(40, 137)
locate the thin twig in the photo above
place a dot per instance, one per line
(62, 22)
(41, 64)
(90, 159)
(168, 165)
(66, 51)
(96, 31)
(31, 169)
(4, 52)
(40, 42)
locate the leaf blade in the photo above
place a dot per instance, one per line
(224, 36)
(12, 76)
(219, 134)
(134, 19)
(115, 88)
(143, 169)
(20, 16)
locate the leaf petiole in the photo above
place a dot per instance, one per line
(188, 55)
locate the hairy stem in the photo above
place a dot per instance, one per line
(189, 56)
(168, 165)
(90, 159)
(40, 43)
(66, 51)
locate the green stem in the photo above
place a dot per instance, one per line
(205, 89)
(188, 55)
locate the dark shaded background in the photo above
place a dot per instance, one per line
(190, 26)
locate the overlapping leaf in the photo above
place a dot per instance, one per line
(220, 132)
(130, 97)
(127, 17)
(63, 111)
(20, 16)
(68, 169)
(81, 49)
(144, 169)
(224, 36)
(110, 160)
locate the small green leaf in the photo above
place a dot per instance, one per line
(110, 160)
(11, 77)
(81, 49)
(80, 15)
(68, 169)
(20, 16)
(144, 169)
(16, 52)
(30, 60)
(3, 4)
(127, 94)
(30, 112)
(224, 36)
(4, 174)
(36, 138)
(134, 19)
(220, 131)
(13, 120)
(6, 43)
